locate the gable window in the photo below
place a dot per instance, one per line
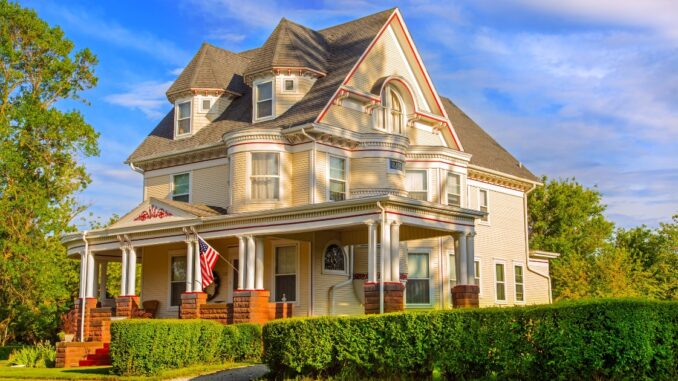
(289, 85)
(337, 178)
(520, 288)
(286, 274)
(416, 183)
(483, 203)
(183, 118)
(418, 288)
(500, 282)
(181, 187)
(265, 178)
(453, 189)
(334, 261)
(264, 98)
(177, 279)
(396, 113)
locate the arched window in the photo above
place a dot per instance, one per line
(393, 112)
(396, 113)
(334, 260)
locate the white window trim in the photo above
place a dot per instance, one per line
(346, 264)
(273, 274)
(428, 180)
(515, 293)
(212, 103)
(461, 188)
(190, 185)
(389, 122)
(172, 254)
(481, 222)
(254, 99)
(176, 118)
(346, 174)
(295, 88)
(479, 275)
(429, 252)
(248, 183)
(494, 271)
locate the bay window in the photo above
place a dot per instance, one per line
(416, 183)
(453, 189)
(265, 176)
(337, 178)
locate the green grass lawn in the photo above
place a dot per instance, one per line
(103, 372)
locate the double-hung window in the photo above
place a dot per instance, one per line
(183, 118)
(337, 178)
(500, 282)
(177, 279)
(264, 100)
(286, 274)
(483, 203)
(416, 183)
(181, 187)
(265, 177)
(520, 289)
(453, 189)
(418, 289)
(476, 280)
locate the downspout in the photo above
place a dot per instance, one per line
(84, 287)
(348, 280)
(381, 260)
(527, 246)
(313, 166)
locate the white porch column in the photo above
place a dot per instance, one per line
(103, 279)
(371, 251)
(189, 265)
(259, 269)
(197, 268)
(83, 274)
(385, 265)
(463, 267)
(90, 274)
(470, 258)
(395, 251)
(132, 272)
(242, 246)
(95, 277)
(251, 252)
(123, 272)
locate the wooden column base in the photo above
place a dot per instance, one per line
(465, 295)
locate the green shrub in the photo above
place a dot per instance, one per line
(42, 355)
(145, 347)
(603, 339)
(7, 350)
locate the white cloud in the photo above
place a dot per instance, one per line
(148, 97)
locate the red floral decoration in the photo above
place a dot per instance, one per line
(152, 212)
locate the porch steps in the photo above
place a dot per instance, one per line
(100, 357)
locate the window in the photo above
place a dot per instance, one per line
(396, 114)
(418, 281)
(476, 280)
(177, 279)
(264, 100)
(452, 266)
(183, 118)
(416, 183)
(265, 176)
(337, 178)
(181, 187)
(205, 105)
(453, 189)
(483, 204)
(286, 274)
(289, 85)
(334, 261)
(500, 282)
(520, 290)
(395, 165)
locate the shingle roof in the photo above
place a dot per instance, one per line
(485, 151)
(200, 210)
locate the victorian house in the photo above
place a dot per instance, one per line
(331, 177)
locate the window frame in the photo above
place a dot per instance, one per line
(478, 274)
(391, 170)
(330, 179)
(255, 101)
(275, 247)
(171, 255)
(486, 220)
(428, 252)
(212, 101)
(189, 117)
(515, 282)
(346, 264)
(504, 282)
(190, 186)
(447, 193)
(427, 183)
(295, 86)
(250, 176)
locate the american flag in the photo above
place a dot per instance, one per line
(208, 258)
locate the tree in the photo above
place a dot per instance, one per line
(40, 145)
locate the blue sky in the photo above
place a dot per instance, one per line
(573, 89)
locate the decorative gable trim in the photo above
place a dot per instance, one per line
(152, 212)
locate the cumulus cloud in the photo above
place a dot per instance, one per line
(147, 97)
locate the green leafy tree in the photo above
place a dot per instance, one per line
(40, 145)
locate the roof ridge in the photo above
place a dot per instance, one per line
(392, 9)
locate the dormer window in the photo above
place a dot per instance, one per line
(391, 115)
(183, 126)
(205, 105)
(289, 85)
(264, 97)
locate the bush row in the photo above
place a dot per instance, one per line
(607, 339)
(146, 347)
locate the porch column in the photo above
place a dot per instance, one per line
(463, 267)
(95, 277)
(371, 251)
(395, 251)
(242, 246)
(385, 265)
(465, 293)
(259, 275)
(189, 265)
(251, 252)
(470, 258)
(90, 274)
(103, 279)
(123, 272)
(83, 274)
(132, 271)
(197, 273)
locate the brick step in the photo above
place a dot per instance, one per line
(96, 357)
(102, 351)
(94, 362)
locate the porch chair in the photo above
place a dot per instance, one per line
(151, 306)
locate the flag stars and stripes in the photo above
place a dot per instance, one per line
(208, 259)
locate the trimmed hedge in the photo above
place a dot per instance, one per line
(146, 347)
(602, 339)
